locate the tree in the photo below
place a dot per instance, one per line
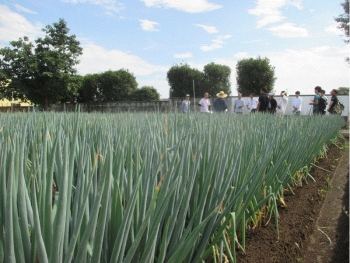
(42, 73)
(216, 78)
(254, 74)
(343, 21)
(90, 90)
(108, 86)
(145, 93)
(343, 91)
(72, 92)
(213, 79)
(180, 79)
(117, 85)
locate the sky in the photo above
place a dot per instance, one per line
(148, 37)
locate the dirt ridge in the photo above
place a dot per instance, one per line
(298, 221)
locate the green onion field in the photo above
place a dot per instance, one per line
(137, 187)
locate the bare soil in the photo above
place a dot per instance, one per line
(297, 222)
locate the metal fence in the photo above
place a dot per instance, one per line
(171, 105)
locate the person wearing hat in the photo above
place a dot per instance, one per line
(205, 103)
(272, 103)
(185, 107)
(220, 104)
(297, 102)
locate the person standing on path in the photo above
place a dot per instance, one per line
(220, 104)
(322, 103)
(204, 103)
(185, 107)
(252, 103)
(263, 101)
(334, 101)
(239, 104)
(282, 104)
(315, 101)
(297, 102)
(272, 104)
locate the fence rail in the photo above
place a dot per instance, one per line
(172, 105)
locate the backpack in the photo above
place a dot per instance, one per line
(322, 104)
(338, 108)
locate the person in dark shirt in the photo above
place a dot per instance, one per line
(322, 103)
(272, 104)
(334, 101)
(263, 101)
(316, 100)
(220, 104)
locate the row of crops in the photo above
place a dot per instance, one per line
(134, 187)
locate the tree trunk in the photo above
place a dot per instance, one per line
(46, 104)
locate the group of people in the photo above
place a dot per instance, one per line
(320, 102)
(266, 103)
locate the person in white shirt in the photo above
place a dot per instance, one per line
(252, 103)
(282, 104)
(205, 103)
(239, 104)
(297, 102)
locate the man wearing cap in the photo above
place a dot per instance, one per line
(220, 104)
(239, 104)
(185, 107)
(205, 103)
(297, 102)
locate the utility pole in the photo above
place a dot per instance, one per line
(194, 97)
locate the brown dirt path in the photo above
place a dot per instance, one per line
(297, 222)
(328, 242)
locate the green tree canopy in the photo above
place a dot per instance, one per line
(42, 73)
(253, 74)
(343, 20)
(180, 79)
(90, 90)
(343, 90)
(213, 79)
(344, 23)
(145, 93)
(216, 78)
(117, 85)
(110, 85)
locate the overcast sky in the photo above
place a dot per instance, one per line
(147, 37)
